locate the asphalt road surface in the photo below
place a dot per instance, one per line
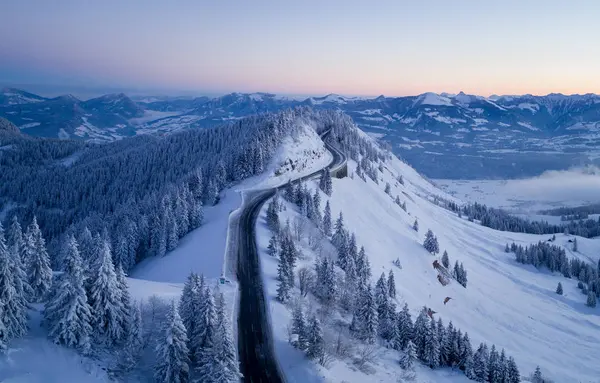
(255, 345)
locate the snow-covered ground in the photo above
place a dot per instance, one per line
(507, 304)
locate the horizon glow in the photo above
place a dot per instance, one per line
(349, 47)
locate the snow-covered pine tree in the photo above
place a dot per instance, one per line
(445, 260)
(323, 181)
(466, 354)
(463, 275)
(316, 344)
(559, 289)
(328, 184)
(125, 298)
(38, 262)
(388, 188)
(405, 327)
(363, 268)
(493, 366)
(283, 281)
(514, 376)
(382, 302)
(431, 243)
(409, 356)
(190, 308)
(431, 353)
(172, 352)
(13, 319)
(420, 329)
(16, 245)
(273, 217)
(591, 299)
(273, 248)
(443, 342)
(105, 299)
(575, 247)
(391, 285)
(537, 376)
(204, 335)
(317, 219)
(416, 225)
(327, 220)
(299, 327)
(67, 315)
(223, 366)
(368, 316)
(480, 365)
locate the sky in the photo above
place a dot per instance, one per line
(307, 47)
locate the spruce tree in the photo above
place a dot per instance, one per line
(420, 329)
(316, 346)
(38, 261)
(125, 298)
(16, 248)
(327, 220)
(273, 248)
(368, 316)
(190, 308)
(416, 225)
(513, 371)
(391, 285)
(591, 299)
(105, 299)
(445, 260)
(559, 289)
(431, 353)
(405, 326)
(205, 332)
(480, 364)
(431, 243)
(299, 327)
(493, 366)
(67, 315)
(408, 359)
(13, 318)
(537, 376)
(172, 352)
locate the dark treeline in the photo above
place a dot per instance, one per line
(499, 219)
(543, 254)
(580, 212)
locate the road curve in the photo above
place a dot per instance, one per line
(258, 363)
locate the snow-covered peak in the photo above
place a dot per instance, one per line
(13, 96)
(432, 99)
(465, 99)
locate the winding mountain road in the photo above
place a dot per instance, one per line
(258, 362)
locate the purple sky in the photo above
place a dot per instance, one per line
(304, 47)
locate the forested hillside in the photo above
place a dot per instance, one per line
(145, 192)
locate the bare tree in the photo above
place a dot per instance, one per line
(306, 279)
(299, 227)
(366, 355)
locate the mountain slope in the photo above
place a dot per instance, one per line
(505, 303)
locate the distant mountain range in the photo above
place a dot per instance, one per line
(442, 135)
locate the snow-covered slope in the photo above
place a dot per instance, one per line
(507, 304)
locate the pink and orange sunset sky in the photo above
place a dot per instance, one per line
(305, 47)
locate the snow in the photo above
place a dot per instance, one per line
(527, 125)
(432, 99)
(534, 108)
(35, 359)
(507, 304)
(29, 125)
(152, 115)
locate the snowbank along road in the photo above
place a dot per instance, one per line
(255, 345)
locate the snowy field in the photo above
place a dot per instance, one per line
(550, 190)
(510, 305)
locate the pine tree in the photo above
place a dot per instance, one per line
(391, 285)
(513, 371)
(172, 352)
(466, 355)
(38, 261)
(273, 217)
(416, 225)
(13, 283)
(408, 359)
(316, 203)
(537, 376)
(328, 184)
(559, 289)
(405, 327)
(299, 327)
(493, 366)
(431, 243)
(575, 248)
(125, 298)
(368, 316)
(190, 308)
(223, 366)
(591, 299)
(105, 299)
(382, 302)
(67, 314)
(420, 329)
(323, 181)
(388, 188)
(273, 248)
(431, 353)
(283, 284)
(316, 346)
(480, 364)
(445, 260)
(327, 220)
(205, 332)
